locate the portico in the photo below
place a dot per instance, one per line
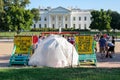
(59, 17)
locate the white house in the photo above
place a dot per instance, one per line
(64, 18)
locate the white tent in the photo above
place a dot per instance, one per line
(54, 51)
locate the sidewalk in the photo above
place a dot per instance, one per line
(7, 47)
(6, 40)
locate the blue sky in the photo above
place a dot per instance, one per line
(82, 4)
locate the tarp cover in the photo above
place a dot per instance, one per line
(54, 51)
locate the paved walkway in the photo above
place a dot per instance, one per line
(5, 52)
(7, 47)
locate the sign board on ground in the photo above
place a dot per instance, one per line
(23, 43)
(84, 44)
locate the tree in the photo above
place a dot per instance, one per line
(19, 19)
(15, 17)
(2, 21)
(35, 12)
(1, 13)
(1, 6)
(94, 19)
(20, 3)
(115, 21)
(100, 20)
(24, 3)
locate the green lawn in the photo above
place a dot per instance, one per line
(12, 34)
(60, 74)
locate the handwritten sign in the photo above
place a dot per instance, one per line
(35, 39)
(23, 43)
(84, 44)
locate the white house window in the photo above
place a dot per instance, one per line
(65, 18)
(45, 19)
(34, 25)
(53, 18)
(45, 25)
(85, 26)
(66, 26)
(59, 18)
(40, 19)
(53, 26)
(79, 18)
(39, 25)
(85, 18)
(73, 18)
(74, 26)
(79, 26)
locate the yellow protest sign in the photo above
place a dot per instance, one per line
(23, 43)
(84, 44)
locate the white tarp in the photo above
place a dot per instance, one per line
(54, 51)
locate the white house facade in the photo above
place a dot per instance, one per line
(64, 18)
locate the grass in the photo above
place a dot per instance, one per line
(12, 34)
(60, 74)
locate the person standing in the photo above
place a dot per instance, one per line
(113, 41)
(110, 49)
(35, 41)
(95, 44)
(40, 39)
(102, 46)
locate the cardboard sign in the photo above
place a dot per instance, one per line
(84, 44)
(23, 43)
(35, 39)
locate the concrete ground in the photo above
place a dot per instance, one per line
(7, 47)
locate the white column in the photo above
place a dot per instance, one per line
(49, 21)
(71, 24)
(63, 21)
(56, 21)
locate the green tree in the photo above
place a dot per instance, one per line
(95, 20)
(1, 6)
(19, 19)
(1, 13)
(20, 3)
(2, 21)
(115, 21)
(36, 14)
(15, 17)
(100, 20)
